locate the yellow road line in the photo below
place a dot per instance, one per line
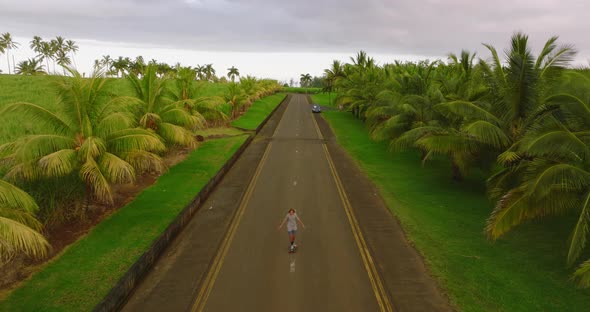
(376, 283)
(317, 128)
(211, 277)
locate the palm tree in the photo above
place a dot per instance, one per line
(6, 44)
(58, 51)
(46, 52)
(72, 48)
(30, 67)
(489, 124)
(36, 44)
(158, 113)
(137, 66)
(107, 61)
(251, 88)
(200, 72)
(331, 76)
(62, 59)
(19, 229)
(232, 73)
(90, 138)
(305, 79)
(204, 108)
(209, 72)
(120, 65)
(235, 97)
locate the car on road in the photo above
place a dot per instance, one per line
(316, 108)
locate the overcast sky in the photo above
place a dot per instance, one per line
(282, 39)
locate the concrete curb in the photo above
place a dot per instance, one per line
(117, 297)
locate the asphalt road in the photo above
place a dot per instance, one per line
(254, 271)
(327, 272)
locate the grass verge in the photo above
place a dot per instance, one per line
(301, 90)
(324, 99)
(259, 110)
(523, 271)
(219, 131)
(87, 270)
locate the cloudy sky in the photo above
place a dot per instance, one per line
(282, 39)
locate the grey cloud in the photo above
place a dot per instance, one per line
(426, 27)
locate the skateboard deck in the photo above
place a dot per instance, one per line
(292, 249)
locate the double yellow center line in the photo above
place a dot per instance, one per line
(374, 278)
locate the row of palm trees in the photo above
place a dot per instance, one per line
(59, 50)
(96, 140)
(523, 119)
(123, 66)
(62, 52)
(7, 44)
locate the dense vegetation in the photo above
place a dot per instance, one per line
(65, 152)
(443, 219)
(82, 276)
(523, 121)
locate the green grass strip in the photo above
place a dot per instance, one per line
(301, 90)
(523, 271)
(259, 110)
(324, 99)
(87, 270)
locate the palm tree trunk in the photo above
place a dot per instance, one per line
(8, 61)
(457, 176)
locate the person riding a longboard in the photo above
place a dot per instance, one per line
(291, 218)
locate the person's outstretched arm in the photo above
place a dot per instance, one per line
(281, 225)
(300, 222)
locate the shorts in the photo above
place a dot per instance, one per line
(291, 232)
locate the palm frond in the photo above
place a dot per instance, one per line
(21, 216)
(487, 133)
(95, 180)
(447, 143)
(557, 144)
(38, 114)
(174, 134)
(128, 140)
(115, 169)
(509, 212)
(17, 237)
(409, 138)
(582, 274)
(60, 163)
(92, 148)
(467, 110)
(563, 177)
(180, 117)
(114, 122)
(15, 198)
(34, 146)
(144, 161)
(580, 232)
